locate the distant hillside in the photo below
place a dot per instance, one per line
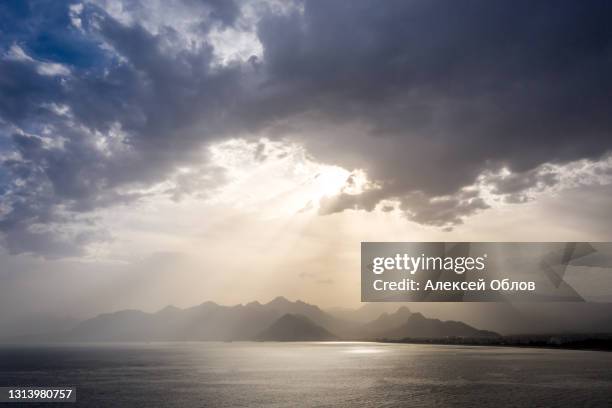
(418, 326)
(499, 317)
(206, 322)
(293, 327)
(366, 313)
(279, 319)
(388, 321)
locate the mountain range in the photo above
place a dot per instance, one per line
(277, 320)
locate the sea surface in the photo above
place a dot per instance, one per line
(312, 375)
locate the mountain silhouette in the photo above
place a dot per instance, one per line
(388, 321)
(206, 322)
(418, 327)
(294, 327)
(278, 320)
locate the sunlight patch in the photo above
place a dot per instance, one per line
(277, 177)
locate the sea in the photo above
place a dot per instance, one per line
(326, 374)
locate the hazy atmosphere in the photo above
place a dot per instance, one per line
(174, 152)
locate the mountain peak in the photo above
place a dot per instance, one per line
(278, 301)
(402, 310)
(387, 321)
(168, 310)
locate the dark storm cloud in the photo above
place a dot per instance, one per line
(518, 182)
(446, 89)
(161, 103)
(515, 187)
(441, 211)
(426, 96)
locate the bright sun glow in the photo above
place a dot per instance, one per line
(276, 178)
(330, 181)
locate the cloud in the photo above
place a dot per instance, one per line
(441, 104)
(429, 95)
(105, 133)
(43, 68)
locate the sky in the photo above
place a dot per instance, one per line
(172, 152)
